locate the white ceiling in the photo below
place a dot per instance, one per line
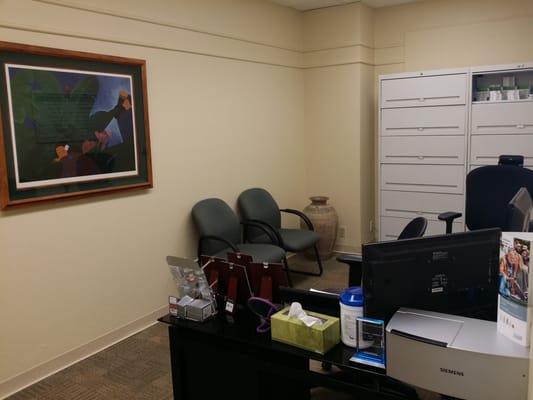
(305, 5)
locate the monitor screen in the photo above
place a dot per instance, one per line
(454, 274)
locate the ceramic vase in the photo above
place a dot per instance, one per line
(325, 221)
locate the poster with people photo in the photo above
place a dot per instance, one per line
(514, 268)
(513, 311)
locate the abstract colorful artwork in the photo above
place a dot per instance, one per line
(72, 124)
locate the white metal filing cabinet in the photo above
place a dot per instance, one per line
(423, 120)
(502, 126)
(435, 126)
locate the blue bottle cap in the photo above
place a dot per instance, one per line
(352, 297)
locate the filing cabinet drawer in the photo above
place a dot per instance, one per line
(414, 204)
(485, 150)
(392, 227)
(423, 178)
(423, 150)
(423, 91)
(502, 118)
(447, 120)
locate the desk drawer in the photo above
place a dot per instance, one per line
(392, 227)
(502, 118)
(413, 204)
(485, 150)
(423, 91)
(423, 150)
(423, 178)
(448, 120)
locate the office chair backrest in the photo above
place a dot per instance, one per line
(519, 212)
(258, 204)
(488, 191)
(414, 229)
(215, 217)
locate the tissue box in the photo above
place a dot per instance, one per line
(317, 338)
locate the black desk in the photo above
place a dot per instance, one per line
(230, 360)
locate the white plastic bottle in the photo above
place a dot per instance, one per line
(351, 303)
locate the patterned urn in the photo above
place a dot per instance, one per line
(325, 221)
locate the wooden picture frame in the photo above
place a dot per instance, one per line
(72, 124)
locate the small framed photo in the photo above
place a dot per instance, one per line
(72, 124)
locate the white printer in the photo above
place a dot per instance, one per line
(455, 356)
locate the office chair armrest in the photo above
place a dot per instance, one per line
(355, 264)
(270, 232)
(349, 258)
(448, 217)
(304, 217)
(218, 238)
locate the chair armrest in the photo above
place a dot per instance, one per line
(355, 263)
(304, 217)
(449, 216)
(218, 238)
(272, 235)
(349, 259)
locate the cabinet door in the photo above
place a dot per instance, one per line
(391, 227)
(413, 204)
(485, 150)
(423, 178)
(416, 121)
(502, 118)
(423, 91)
(423, 149)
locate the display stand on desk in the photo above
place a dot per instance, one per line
(229, 281)
(265, 278)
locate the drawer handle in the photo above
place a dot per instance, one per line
(423, 98)
(497, 126)
(419, 184)
(420, 128)
(411, 211)
(420, 157)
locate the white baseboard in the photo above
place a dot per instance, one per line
(41, 371)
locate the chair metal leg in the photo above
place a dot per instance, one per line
(319, 262)
(287, 272)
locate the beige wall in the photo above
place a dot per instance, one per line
(338, 115)
(221, 121)
(67, 268)
(347, 47)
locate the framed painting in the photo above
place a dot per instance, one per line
(71, 124)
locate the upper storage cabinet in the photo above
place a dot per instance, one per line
(500, 86)
(421, 91)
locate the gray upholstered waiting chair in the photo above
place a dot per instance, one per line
(220, 232)
(257, 205)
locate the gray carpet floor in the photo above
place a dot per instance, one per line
(138, 368)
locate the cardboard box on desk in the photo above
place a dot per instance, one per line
(317, 338)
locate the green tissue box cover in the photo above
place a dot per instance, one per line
(317, 338)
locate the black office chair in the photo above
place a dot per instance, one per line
(257, 205)
(518, 214)
(220, 232)
(414, 229)
(488, 191)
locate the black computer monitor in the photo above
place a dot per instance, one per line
(519, 212)
(454, 274)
